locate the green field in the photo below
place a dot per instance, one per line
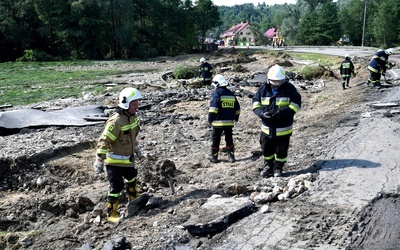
(23, 83)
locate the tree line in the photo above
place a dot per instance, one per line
(321, 22)
(98, 29)
(106, 29)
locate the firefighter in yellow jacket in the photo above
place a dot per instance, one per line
(116, 149)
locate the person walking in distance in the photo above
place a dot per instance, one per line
(224, 111)
(346, 69)
(205, 71)
(276, 102)
(378, 66)
(116, 149)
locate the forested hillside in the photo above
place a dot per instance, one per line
(100, 29)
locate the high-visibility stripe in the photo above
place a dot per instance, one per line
(372, 69)
(346, 65)
(133, 125)
(101, 151)
(282, 101)
(223, 123)
(279, 131)
(265, 100)
(132, 180)
(256, 105)
(213, 110)
(113, 161)
(380, 57)
(269, 157)
(281, 159)
(227, 98)
(113, 195)
(118, 159)
(111, 135)
(294, 106)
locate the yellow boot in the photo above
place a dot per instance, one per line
(112, 213)
(132, 190)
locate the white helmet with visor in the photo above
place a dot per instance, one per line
(127, 95)
(219, 81)
(276, 75)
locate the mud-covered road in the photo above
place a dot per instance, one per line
(343, 152)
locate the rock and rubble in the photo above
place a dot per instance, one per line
(52, 199)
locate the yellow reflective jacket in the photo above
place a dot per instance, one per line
(118, 140)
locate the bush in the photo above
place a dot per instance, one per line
(31, 55)
(185, 72)
(309, 72)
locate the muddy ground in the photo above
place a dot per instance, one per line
(52, 199)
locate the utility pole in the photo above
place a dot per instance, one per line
(363, 31)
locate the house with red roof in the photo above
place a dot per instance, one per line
(239, 34)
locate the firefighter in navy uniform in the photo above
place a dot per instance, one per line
(223, 112)
(276, 102)
(116, 149)
(205, 71)
(346, 69)
(378, 66)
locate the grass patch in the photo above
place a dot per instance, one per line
(185, 72)
(25, 83)
(325, 60)
(311, 71)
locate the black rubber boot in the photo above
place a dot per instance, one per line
(278, 169)
(231, 154)
(268, 168)
(343, 85)
(214, 155)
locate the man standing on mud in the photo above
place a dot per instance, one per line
(205, 72)
(276, 102)
(224, 111)
(116, 148)
(346, 69)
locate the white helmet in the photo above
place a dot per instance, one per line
(276, 72)
(202, 60)
(219, 81)
(389, 51)
(127, 95)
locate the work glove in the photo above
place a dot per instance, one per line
(276, 116)
(137, 151)
(267, 116)
(98, 165)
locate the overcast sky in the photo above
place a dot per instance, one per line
(255, 2)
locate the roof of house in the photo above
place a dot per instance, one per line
(235, 29)
(270, 33)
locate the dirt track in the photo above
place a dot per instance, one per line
(51, 188)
